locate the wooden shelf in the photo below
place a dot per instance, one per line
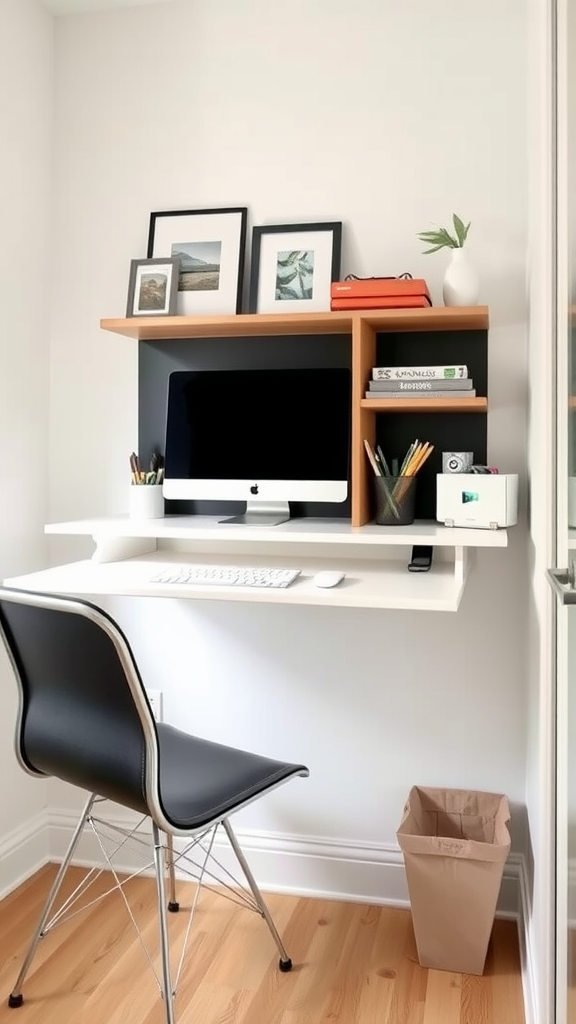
(161, 328)
(425, 404)
(435, 318)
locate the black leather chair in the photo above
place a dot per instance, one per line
(84, 717)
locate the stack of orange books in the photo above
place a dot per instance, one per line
(379, 293)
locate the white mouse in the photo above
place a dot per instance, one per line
(328, 578)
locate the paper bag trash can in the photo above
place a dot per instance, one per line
(455, 843)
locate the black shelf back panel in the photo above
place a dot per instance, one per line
(437, 348)
(461, 432)
(158, 359)
(447, 431)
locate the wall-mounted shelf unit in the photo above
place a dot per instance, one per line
(129, 552)
(433, 335)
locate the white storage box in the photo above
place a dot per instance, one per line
(483, 500)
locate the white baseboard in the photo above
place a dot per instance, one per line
(527, 956)
(22, 852)
(300, 865)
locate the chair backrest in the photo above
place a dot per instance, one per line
(84, 716)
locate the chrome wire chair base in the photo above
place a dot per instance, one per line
(196, 860)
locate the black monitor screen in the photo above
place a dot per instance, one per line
(291, 424)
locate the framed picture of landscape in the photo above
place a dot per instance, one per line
(153, 287)
(210, 247)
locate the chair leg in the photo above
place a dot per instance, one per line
(160, 865)
(173, 905)
(285, 963)
(16, 998)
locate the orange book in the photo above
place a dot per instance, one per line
(381, 286)
(381, 302)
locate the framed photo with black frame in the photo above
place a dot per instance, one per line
(293, 266)
(210, 245)
(153, 287)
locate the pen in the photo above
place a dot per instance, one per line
(382, 459)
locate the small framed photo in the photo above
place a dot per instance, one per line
(153, 287)
(293, 266)
(210, 246)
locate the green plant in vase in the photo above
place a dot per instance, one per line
(460, 286)
(442, 239)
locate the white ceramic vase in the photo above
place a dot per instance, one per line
(461, 285)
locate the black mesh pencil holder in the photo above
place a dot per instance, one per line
(395, 500)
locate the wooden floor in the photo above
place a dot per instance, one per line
(353, 964)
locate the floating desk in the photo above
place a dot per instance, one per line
(128, 552)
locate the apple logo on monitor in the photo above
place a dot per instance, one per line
(254, 489)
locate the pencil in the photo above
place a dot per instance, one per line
(408, 456)
(372, 459)
(411, 466)
(422, 458)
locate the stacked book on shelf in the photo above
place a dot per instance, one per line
(420, 382)
(379, 293)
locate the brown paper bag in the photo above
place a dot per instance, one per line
(455, 843)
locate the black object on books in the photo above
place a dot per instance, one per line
(422, 384)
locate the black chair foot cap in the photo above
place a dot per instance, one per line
(15, 1001)
(173, 907)
(285, 965)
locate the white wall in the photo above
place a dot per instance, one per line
(389, 117)
(25, 177)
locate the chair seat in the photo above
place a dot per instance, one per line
(200, 781)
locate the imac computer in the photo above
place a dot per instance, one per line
(266, 437)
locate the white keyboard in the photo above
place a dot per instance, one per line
(226, 576)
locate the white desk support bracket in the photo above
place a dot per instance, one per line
(110, 548)
(463, 562)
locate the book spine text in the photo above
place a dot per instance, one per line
(415, 372)
(449, 384)
(424, 395)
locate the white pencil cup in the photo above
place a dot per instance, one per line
(146, 501)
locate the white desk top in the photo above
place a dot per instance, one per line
(378, 584)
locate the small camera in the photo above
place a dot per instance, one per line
(457, 462)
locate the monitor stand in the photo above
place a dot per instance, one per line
(262, 513)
